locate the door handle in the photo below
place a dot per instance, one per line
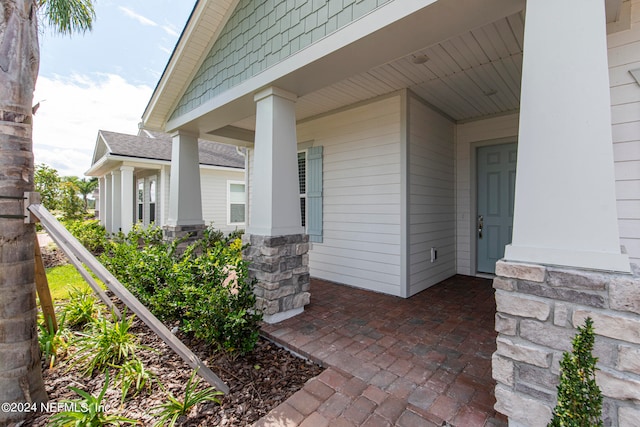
(480, 226)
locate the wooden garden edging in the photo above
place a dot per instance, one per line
(79, 255)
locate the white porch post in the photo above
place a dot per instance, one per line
(108, 202)
(185, 198)
(275, 200)
(102, 193)
(163, 187)
(278, 251)
(127, 198)
(565, 262)
(565, 207)
(116, 201)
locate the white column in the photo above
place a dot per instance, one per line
(126, 192)
(100, 203)
(116, 201)
(275, 195)
(185, 199)
(565, 207)
(108, 202)
(163, 197)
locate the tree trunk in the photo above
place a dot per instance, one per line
(20, 368)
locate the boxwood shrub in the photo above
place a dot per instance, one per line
(205, 287)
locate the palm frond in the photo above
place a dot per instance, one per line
(68, 16)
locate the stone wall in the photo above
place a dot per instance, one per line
(538, 310)
(280, 264)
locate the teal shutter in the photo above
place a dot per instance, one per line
(314, 194)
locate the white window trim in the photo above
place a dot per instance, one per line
(229, 183)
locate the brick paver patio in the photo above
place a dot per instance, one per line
(422, 361)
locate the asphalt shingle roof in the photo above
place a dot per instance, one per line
(159, 148)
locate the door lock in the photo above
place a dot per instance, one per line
(480, 226)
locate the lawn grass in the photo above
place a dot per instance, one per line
(63, 279)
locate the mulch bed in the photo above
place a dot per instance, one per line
(259, 382)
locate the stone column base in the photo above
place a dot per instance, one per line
(190, 233)
(280, 264)
(538, 310)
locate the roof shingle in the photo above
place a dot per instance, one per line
(159, 148)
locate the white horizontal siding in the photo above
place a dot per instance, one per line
(361, 195)
(431, 198)
(213, 185)
(624, 55)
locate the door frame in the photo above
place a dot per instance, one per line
(474, 146)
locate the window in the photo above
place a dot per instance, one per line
(152, 200)
(302, 182)
(140, 200)
(236, 202)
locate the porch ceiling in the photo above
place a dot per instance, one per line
(475, 74)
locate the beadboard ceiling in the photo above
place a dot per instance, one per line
(472, 75)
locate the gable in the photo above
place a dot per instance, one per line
(261, 34)
(100, 150)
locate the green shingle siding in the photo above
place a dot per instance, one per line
(260, 34)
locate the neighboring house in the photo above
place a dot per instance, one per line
(412, 140)
(134, 175)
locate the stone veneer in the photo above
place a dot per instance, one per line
(191, 232)
(280, 264)
(538, 309)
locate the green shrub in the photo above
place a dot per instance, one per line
(579, 397)
(219, 300)
(206, 287)
(89, 233)
(142, 261)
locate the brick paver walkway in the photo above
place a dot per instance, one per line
(422, 361)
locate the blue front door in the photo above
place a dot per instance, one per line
(496, 186)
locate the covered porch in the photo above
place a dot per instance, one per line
(392, 361)
(392, 104)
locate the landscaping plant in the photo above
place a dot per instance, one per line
(88, 411)
(53, 343)
(205, 287)
(106, 344)
(174, 408)
(89, 233)
(579, 397)
(81, 309)
(132, 375)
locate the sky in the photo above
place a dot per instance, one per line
(101, 80)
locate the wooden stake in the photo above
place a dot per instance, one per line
(44, 293)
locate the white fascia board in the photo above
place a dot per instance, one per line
(194, 29)
(93, 170)
(221, 168)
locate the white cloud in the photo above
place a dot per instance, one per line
(71, 112)
(170, 30)
(141, 19)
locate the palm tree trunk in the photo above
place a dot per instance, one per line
(20, 368)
